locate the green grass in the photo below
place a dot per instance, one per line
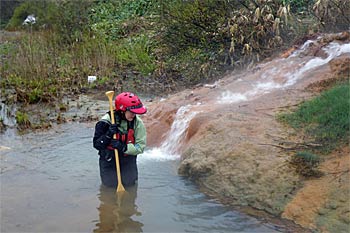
(22, 119)
(325, 118)
(136, 52)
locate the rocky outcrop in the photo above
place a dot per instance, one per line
(240, 153)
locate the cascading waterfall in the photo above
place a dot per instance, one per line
(332, 50)
(168, 149)
(267, 78)
(266, 83)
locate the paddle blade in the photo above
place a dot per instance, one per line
(120, 188)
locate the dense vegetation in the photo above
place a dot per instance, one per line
(145, 42)
(148, 46)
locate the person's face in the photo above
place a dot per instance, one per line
(129, 115)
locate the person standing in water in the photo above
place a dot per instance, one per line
(130, 140)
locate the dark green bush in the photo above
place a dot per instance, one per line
(136, 53)
(6, 11)
(44, 12)
(114, 19)
(71, 22)
(298, 6)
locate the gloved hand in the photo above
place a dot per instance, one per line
(113, 129)
(116, 144)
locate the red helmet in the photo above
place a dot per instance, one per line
(128, 101)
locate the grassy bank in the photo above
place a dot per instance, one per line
(324, 123)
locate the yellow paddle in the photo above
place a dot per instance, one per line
(120, 187)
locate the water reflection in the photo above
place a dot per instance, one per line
(116, 211)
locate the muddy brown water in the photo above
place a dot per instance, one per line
(50, 183)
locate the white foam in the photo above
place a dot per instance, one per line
(157, 154)
(168, 149)
(228, 97)
(332, 50)
(265, 84)
(183, 116)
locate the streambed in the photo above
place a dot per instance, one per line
(50, 183)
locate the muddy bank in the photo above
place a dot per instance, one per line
(41, 116)
(324, 203)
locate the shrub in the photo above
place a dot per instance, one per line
(44, 12)
(115, 19)
(22, 119)
(333, 15)
(136, 53)
(306, 164)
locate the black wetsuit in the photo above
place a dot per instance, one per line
(128, 165)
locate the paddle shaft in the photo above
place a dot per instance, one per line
(120, 187)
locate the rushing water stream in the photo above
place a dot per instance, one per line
(50, 183)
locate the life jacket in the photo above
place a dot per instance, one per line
(125, 138)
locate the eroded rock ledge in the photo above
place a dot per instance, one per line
(239, 152)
